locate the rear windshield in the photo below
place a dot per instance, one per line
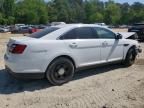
(43, 32)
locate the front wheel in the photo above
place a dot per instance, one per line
(130, 57)
(60, 71)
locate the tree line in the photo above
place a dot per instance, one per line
(69, 11)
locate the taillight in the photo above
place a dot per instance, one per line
(17, 48)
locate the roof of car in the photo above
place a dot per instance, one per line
(63, 28)
(76, 25)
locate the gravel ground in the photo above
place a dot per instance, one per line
(111, 86)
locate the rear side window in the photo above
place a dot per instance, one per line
(80, 33)
(69, 35)
(104, 33)
(43, 32)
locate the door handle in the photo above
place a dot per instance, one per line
(73, 45)
(104, 43)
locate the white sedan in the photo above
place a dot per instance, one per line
(56, 52)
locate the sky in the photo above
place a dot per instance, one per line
(122, 1)
(129, 1)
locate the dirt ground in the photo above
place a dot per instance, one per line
(111, 86)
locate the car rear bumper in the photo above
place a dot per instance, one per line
(24, 65)
(25, 75)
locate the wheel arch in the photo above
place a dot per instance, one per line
(133, 46)
(65, 56)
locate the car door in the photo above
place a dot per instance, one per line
(111, 48)
(83, 45)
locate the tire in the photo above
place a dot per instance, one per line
(130, 57)
(60, 71)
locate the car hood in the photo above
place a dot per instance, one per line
(127, 34)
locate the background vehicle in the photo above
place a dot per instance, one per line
(33, 30)
(139, 29)
(57, 51)
(102, 24)
(3, 29)
(27, 28)
(24, 29)
(21, 29)
(123, 26)
(57, 23)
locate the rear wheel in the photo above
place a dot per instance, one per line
(60, 71)
(130, 57)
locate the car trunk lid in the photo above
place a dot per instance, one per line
(17, 45)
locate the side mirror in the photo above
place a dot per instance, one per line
(118, 36)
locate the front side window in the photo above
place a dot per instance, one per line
(104, 33)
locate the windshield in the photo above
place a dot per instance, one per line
(43, 32)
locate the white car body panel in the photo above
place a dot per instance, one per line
(113, 50)
(85, 53)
